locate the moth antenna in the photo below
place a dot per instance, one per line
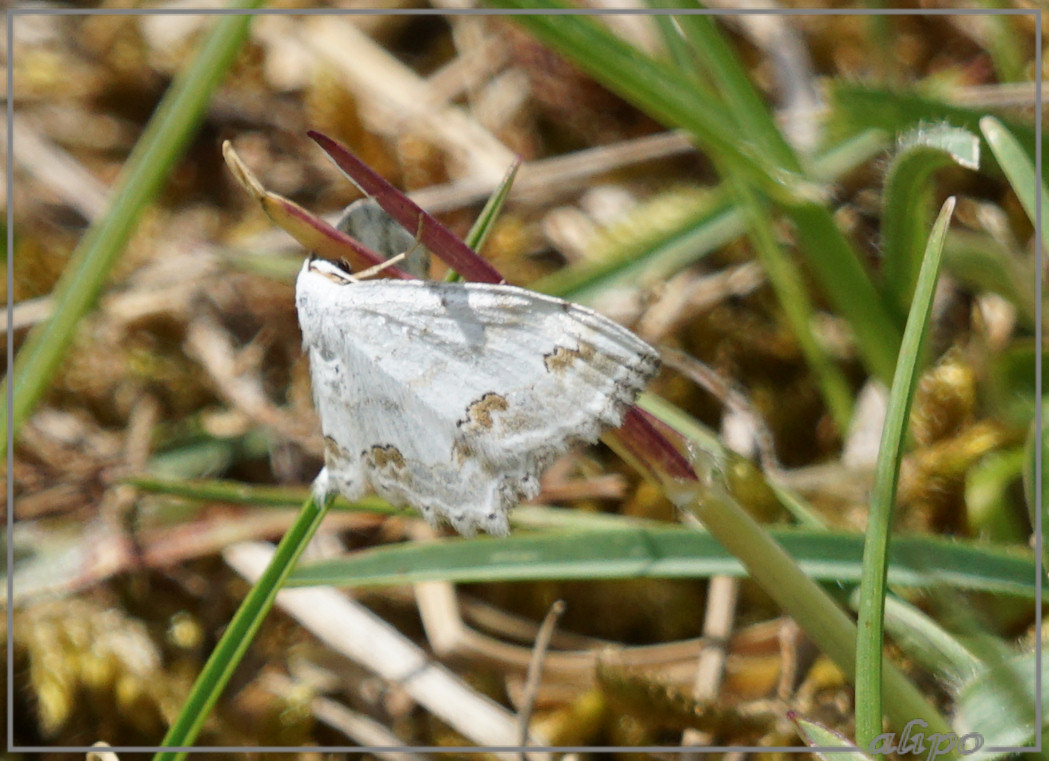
(416, 243)
(372, 271)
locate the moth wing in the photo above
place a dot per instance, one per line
(453, 397)
(366, 221)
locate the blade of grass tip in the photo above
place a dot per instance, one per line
(435, 236)
(148, 167)
(307, 228)
(856, 106)
(1016, 164)
(485, 223)
(818, 735)
(677, 46)
(869, 656)
(241, 630)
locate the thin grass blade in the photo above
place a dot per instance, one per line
(238, 636)
(869, 660)
(148, 167)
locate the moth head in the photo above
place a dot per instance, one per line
(329, 270)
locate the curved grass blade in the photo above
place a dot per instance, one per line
(858, 107)
(906, 213)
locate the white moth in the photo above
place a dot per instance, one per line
(454, 397)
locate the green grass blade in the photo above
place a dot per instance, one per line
(849, 288)
(984, 263)
(1036, 488)
(685, 236)
(1000, 699)
(706, 441)
(482, 228)
(148, 167)
(837, 159)
(926, 642)
(678, 243)
(629, 551)
(483, 225)
(241, 630)
(677, 46)
(869, 672)
(1015, 161)
(749, 114)
(906, 212)
(751, 117)
(1008, 57)
(240, 493)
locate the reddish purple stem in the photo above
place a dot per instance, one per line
(435, 236)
